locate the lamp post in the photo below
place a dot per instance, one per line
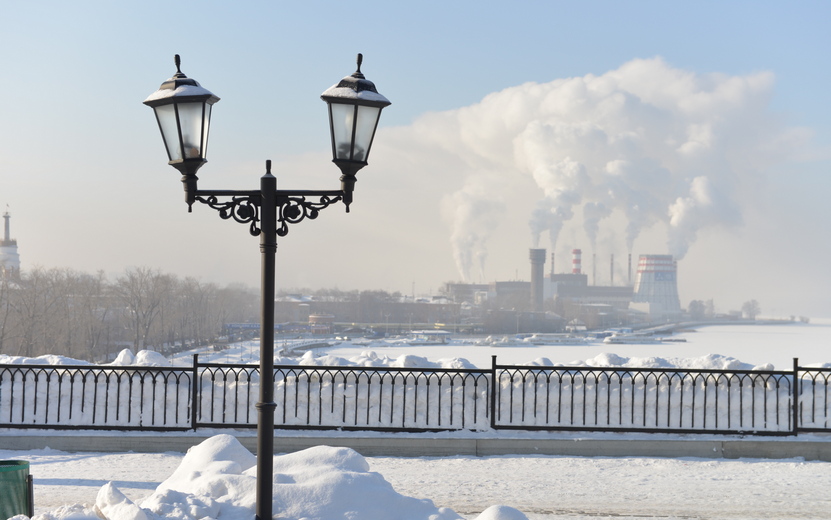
(183, 112)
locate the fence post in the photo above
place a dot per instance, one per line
(493, 392)
(194, 392)
(797, 394)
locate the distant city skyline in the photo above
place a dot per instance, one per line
(700, 131)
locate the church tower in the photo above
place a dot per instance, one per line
(9, 259)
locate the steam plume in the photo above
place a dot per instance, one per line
(641, 145)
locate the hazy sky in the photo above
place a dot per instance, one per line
(699, 129)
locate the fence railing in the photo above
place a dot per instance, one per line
(520, 397)
(95, 397)
(651, 400)
(369, 398)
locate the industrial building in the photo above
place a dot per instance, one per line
(562, 301)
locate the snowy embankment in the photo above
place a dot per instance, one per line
(217, 480)
(368, 390)
(368, 356)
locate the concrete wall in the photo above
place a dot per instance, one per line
(808, 447)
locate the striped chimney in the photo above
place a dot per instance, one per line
(576, 261)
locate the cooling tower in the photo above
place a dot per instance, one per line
(656, 285)
(537, 278)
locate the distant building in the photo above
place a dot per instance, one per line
(551, 301)
(656, 288)
(9, 258)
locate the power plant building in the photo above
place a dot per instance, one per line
(570, 299)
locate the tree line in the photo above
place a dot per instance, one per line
(90, 317)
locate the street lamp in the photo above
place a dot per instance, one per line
(183, 112)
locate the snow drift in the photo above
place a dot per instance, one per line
(217, 480)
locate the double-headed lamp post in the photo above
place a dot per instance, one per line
(183, 112)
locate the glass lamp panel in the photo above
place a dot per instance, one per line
(166, 115)
(190, 121)
(343, 117)
(205, 129)
(364, 130)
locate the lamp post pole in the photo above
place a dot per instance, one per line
(183, 111)
(266, 405)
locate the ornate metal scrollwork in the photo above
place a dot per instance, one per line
(243, 209)
(294, 209)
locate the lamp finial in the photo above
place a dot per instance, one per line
(358, 74)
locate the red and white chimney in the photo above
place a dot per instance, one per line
(576, 261)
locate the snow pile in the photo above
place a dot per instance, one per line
(217, 480)
(708, 362)
(49, 359)
(125, 358)
(369, 358)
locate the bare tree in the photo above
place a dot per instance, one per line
(750, 309)
(142, 291)
(94, 302)
(7, 323)
(34, 302)
(61, 311)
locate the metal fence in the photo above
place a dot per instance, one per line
(517, 397)
(652, 400)
(814, 408)
(362, 398)
(95, 397)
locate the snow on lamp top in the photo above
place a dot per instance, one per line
(180, 88)
(355, 89)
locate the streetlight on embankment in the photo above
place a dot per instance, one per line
(183, 112)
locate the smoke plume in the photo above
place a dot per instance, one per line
(643, 145)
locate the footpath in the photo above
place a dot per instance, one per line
(804, 446)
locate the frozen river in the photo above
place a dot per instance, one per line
(753, 344)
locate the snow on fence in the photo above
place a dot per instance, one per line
(652, 400)
(418, 399)
(95, 397)
(373, 398)
(814, 407)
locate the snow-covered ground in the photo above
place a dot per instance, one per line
(216, 480)
(541, 487)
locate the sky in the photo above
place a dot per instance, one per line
(694, 129)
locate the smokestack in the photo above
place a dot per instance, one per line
(552, 264)
(594, 269)
(537, 265)
(630, 268)
(576, 261)
(612, 271)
